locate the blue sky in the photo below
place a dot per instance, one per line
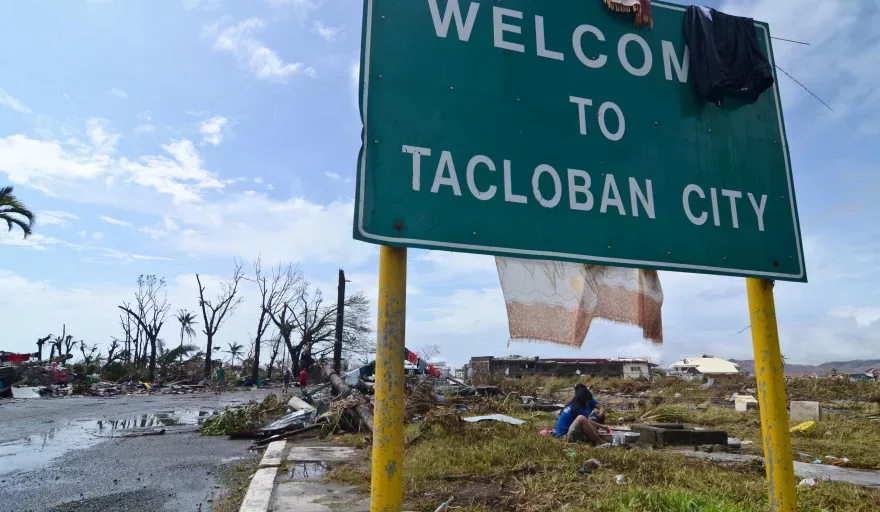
(172, 137)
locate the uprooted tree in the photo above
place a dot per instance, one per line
(276, 287)
(151, 309)
(216, 311)
(308, 326)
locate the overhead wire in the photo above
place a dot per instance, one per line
(805, 88)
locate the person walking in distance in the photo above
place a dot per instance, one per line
(286, 379)
(220, 373)
(303, 380)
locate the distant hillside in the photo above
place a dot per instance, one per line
(856, 366)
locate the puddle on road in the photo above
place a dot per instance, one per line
(307, 471)
(161, 419)
(38, 449)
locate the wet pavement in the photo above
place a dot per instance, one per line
(91, 454)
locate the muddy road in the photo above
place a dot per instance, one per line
(85, 454)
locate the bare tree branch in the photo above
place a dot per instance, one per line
(220, 308)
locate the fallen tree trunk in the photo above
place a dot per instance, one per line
(362, 411)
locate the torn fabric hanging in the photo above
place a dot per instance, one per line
(641, 9)
(725, 56)
(556, 302)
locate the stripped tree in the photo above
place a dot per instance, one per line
(40, 343)
(216, 311)
(275, 289)
(151, 303)
(308, 326)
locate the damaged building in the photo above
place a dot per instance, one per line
(516, 367)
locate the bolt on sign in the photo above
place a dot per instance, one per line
(557, 130)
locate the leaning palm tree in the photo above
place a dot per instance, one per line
(234, 350)
(187, 321)
(15, 213)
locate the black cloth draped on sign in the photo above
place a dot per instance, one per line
(725, 57)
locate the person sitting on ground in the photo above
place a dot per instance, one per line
(574, 422)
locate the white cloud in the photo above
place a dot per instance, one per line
(144, 116)
(144, 128)
(258, 180)
(327, 33)
(263, 62)
(299, 7)
(118, 93)
(65, 95)
(161, 230)
(839, 65)
(27, 160)
(181, 176)
(8, 101)
(213, 130)
(90, 253)
(97, 235)
(206, 5)
(459, 264)
(116, 222)
(292, 230)
(55, 218)
(864, 317)
(337, 178)
(103, 141)
(47, 163)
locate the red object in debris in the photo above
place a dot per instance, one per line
(14, 358)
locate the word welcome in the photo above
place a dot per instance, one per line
(507, 25)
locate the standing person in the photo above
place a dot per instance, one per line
(286, 379)
(574, 422)
(303, 380)
(220, 373)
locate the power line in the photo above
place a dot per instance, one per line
(805, 88)
(746, 328)
(790, 40)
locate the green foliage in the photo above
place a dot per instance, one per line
(246, 418)
(15, 213)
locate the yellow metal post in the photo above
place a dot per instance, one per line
(771, 396)
(387, 467)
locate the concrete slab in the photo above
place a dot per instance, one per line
(321, 454)
(318, 497)
(274, 454)
(259, 494)
(863, 477)
(801, 411)
(670, 434)
(743, 403)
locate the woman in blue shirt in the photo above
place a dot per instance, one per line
(574, 422)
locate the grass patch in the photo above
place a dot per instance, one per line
(500, 467)
(235, 484)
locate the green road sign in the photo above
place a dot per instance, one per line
(557, 130)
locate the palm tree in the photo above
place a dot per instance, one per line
(234, 350)
(15, 213)
(187, 321)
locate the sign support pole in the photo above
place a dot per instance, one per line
(387, 466)
(771, 397)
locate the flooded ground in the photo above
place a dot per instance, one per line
(74, 443)
(43, 447)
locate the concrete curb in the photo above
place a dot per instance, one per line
(259, 493)
(273, 454)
